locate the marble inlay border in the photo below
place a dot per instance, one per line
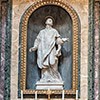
(8, 51)
(94, 50)
(74, 16)
(3, 36)
(91, 52)
(0, 31)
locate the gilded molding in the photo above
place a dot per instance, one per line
(25, 18)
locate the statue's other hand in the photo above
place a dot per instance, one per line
(57, 53)
(65, 39)
(32, 49)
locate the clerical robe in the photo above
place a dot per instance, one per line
(46, 47)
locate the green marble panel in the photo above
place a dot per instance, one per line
(91, 52)
(8, 51)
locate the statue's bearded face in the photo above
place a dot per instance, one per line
(49, 21)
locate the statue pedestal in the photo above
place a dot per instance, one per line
(49, 85)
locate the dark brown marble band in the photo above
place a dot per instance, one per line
(3, 36)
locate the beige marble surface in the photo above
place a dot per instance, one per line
(19, 7)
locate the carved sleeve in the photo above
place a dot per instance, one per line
(37, 40)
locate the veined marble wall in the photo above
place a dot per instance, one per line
(97, 51)
(19, 7)
(5, 48)
(2, 63)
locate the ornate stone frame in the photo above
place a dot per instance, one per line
(25, 18)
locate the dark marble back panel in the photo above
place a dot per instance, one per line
(63, 24)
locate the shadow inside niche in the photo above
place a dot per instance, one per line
(63, 24)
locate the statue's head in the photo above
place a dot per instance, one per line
(49, 21)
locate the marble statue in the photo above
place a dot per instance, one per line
(48, 45)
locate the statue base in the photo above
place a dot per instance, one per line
(49, 85)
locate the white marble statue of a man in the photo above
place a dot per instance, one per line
(48, 45)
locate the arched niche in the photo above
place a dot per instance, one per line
(34, 16)
(63, 24)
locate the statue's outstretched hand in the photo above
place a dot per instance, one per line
(32, 49)
(65, 39)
